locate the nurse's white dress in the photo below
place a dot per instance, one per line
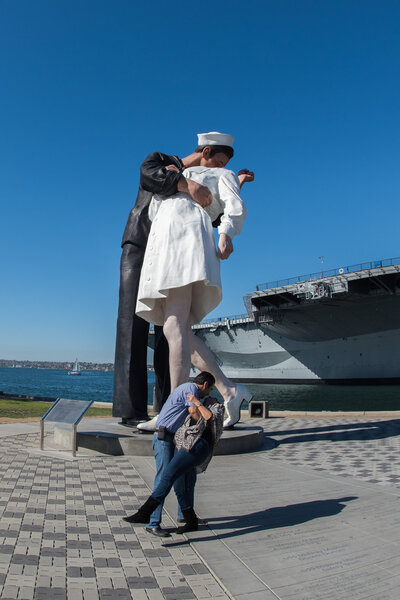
(181, 247)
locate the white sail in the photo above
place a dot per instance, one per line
(75, 369)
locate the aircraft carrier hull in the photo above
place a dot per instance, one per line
(250, 353)
(337, 330)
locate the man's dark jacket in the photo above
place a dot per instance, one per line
(130, 367)
(154, 179)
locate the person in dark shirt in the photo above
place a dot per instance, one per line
(159, 174)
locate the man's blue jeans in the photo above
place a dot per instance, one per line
(184, 486)
(182, 463)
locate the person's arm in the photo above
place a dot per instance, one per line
(234, 213)
(245, 176)
(198, 410)
(159, 176)
(198, 192)
(225, 246)
(156, 178)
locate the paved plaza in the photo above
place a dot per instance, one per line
(314, 515)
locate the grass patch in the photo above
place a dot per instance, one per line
(99, 412)
(23, 409)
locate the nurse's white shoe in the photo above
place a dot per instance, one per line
(232, 407)
(148, 426)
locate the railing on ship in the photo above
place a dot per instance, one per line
(223, 319)
(366, 266)
(231, 320)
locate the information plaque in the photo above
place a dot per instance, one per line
(65, 410)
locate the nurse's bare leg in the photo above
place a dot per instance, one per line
(176, 329)
(203, 359)
(233, 394)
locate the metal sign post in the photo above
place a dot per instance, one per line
(68, 411)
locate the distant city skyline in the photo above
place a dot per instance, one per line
(10, 363)
(309, 90)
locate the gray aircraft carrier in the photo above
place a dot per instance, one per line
(342, 326)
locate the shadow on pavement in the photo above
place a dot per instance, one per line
(271, 518)
(337, 433)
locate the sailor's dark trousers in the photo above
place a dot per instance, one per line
(130, 368)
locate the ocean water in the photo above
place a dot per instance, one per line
(56, 383)
(329, 397)
(98, 386)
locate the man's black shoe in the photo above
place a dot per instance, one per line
(201, 521)
(158, 531)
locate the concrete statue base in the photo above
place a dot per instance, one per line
(105, 436)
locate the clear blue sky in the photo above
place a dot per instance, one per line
(309, 89)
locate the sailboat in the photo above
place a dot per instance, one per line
(75, 369)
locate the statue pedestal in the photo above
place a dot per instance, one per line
(105, 436)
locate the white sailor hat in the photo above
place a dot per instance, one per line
(214, 138)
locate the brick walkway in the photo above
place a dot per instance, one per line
(62, 535)
(313, 518)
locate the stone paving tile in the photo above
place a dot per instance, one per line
(62, 537)
(361, 447)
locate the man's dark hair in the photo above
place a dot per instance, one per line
(215, 149)
(203, 377)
